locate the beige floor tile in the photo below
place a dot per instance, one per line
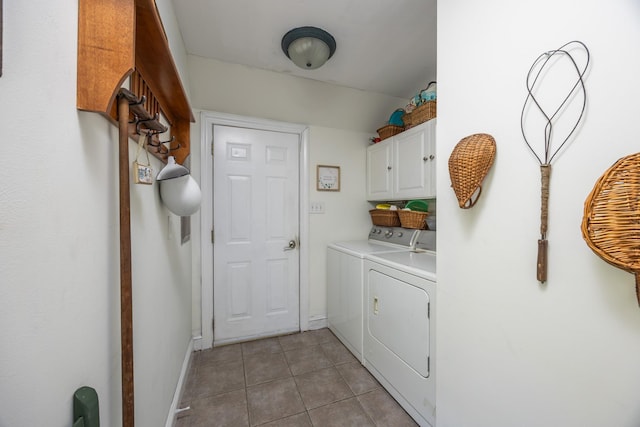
(226, 353)
(298, 380)
(337, 352)
(380, 406)
(340, 414)
(322, 387)
(183, 421)
(306, 359)
(223, 410)
(218, 378)
(267, 345)
(263, 367)
(359, 379)
(190, 385)
(300, 340)
(323, 335)
(299, 420)
(273, 400)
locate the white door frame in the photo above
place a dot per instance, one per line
(208, 119)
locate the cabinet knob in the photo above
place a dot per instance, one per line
(431, 157)
(388, 168)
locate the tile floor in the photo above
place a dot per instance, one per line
(304, 379)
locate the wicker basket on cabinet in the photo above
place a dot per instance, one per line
(421, 114)
(413, 219)
(389, 130)
(385, 217)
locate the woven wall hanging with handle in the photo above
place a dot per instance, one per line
(611, 221)
(469, 163)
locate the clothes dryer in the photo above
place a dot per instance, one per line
(399, 325)
(345, 280)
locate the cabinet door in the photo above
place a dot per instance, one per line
(414, 162)
(430, 151)
(379, 168)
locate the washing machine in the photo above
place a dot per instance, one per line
(345, 280)
(399, 325)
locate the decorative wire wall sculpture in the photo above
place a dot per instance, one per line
(542, 70)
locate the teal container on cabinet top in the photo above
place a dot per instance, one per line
(396, 117)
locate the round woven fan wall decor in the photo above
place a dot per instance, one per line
(611, 222)
(469, 163)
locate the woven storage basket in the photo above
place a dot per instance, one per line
(421, 114)
(469, 163)
(611, 222)
(389, 130)
(385, 217)
(406, 119)
(413, 219)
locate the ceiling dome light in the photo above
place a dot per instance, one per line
(308, 47)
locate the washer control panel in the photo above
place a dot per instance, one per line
(396, 235)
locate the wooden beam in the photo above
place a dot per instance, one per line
(126, 307)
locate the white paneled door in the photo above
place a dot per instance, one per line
(256, 223)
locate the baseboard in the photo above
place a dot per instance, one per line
(317, 322)
(198, 343)
(177, 395)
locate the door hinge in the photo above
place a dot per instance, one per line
(428, 310)
(428, 364)
(211, 148)
(213, 236)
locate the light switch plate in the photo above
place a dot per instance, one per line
(316, 208)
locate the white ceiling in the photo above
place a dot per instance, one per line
(384, 46)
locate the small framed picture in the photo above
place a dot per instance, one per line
(328, 178)
(142, 174)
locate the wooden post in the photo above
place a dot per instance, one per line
(126, 309)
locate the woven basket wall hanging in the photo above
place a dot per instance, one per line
(469, 163)
(611, 222)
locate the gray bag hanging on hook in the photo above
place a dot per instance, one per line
(142, 173)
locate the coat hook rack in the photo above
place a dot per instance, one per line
(173, 138)
(152, 124)
(138, 123)
(141, 101)
(138, 102)
(143, 122)
(158, 145)
(141, 117)
(151, 134)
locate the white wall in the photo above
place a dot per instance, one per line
(346, 214)
(512, 352)
(242, 90)
(341, 120)
(59, 244)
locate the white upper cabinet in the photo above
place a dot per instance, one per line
(379, 170)
(403, 167)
